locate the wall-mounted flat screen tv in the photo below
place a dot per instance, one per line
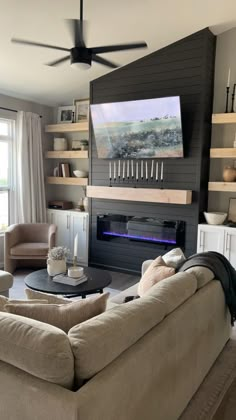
(149, 128)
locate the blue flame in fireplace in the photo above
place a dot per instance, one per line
(140, 237)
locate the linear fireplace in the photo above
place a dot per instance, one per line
(145, 229)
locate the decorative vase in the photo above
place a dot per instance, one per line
(59, 144)
(86, 203)
(229, 174)
(55, 267)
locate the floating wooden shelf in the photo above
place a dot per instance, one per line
(148, 195)
(68, 154)
(229, 118)
(67, 181)
(222, 186)
(221, 153)
(67, 128)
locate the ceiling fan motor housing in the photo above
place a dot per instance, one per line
(81, 55)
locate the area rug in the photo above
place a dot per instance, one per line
(216, 397)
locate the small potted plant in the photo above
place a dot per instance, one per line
(56, 262)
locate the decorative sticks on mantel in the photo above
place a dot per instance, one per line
(135, 172)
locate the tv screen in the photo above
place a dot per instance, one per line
(149, 128)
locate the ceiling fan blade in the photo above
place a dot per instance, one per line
(77, 32)
(56, 62)
(119, 47)
(101, 60)
(36, 44)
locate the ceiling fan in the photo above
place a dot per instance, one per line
(80, 55)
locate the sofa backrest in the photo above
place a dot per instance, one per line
(98, 341)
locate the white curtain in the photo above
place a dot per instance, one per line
(28, 204)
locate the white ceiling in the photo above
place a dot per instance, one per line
(158, 22)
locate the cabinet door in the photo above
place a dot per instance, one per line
(230, 245)
(62, 220)
(210, 238)
(79, 224)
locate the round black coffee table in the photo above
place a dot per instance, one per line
(97, 279)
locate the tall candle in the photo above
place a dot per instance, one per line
(124, 169)
(152, 168)
(141, 168)
(162, 171)
(110, 170)
(114, 170)
(146, 170)
(156, 171)
(119, 169)
(132, 168)
(76, 245)
(228, 81)
(137, 171)
(127, 168)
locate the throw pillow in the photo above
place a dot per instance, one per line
(4, 301)
(174, 258)
(62, 316)
(33, 294)
(157, 271)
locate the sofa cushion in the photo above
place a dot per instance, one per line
(62, 316)
(33, 294)
(100, 340)
(4, 301)
(120, 297)
(174, 258)
(174, 290)
(156, 272)
(37, 348)
(203, 275)
(29, 248)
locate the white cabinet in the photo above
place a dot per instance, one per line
(221, 239)
(69, 223)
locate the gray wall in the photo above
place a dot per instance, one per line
(222, 135)
(185, 68)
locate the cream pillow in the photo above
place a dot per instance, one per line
(4, 300)
(62, 316)
(157, 271)
(174, 258)
(33, 294)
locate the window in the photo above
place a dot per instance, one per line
(6, 137)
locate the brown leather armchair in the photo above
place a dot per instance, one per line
(28, 243)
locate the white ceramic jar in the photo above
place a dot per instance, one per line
(55, 267)
(59, 144)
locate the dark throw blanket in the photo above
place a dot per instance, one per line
(223, 271)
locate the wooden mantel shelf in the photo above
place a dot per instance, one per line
(148, 195)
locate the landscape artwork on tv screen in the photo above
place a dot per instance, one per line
(149, 128)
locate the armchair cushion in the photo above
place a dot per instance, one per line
(30, 249)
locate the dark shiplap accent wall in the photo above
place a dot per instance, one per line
(185, 68)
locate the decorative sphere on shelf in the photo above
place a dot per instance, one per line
(229, 174)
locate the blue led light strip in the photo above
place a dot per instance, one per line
(143, 238)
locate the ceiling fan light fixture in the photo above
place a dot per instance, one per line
(80, 65)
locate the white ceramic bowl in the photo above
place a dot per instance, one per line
(80, 174)
(216, 218)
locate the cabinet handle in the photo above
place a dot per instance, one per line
(83, 224)
(227, 241)
(201, 238)
(67, 224)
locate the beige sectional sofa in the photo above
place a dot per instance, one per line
(139, 360)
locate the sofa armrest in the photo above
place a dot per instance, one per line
(52, 236)
(12, 237)
(145, 266)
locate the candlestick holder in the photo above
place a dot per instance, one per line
(233, 96)
(227, 99)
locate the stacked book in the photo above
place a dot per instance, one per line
(64, 279)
